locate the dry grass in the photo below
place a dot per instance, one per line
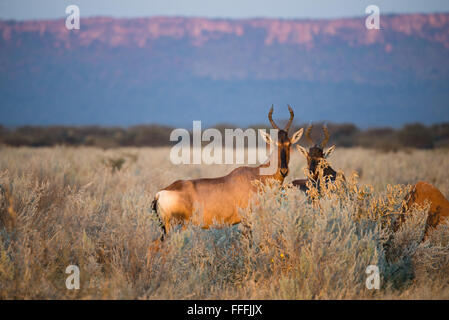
(89, 207)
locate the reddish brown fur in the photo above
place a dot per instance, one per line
(424, 192)
(217, 198)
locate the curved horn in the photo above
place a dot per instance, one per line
(291, 118)
(308, 131)
(270, 114)
(326, 137)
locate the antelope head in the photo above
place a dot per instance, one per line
(316, 153)
(283, 143)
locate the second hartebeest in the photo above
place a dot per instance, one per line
(219, 199)
(316, 156)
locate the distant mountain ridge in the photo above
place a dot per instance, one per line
(139, 31)
(173, 70)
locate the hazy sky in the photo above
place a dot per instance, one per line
(43, 9)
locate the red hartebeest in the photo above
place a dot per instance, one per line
(220, 198)
(422, 193)
(315, 156)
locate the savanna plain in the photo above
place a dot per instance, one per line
(91, 207)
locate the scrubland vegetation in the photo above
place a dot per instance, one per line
(92, 208)
(344, 135)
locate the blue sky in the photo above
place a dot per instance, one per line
(44, 9)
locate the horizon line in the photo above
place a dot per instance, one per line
(348, 17)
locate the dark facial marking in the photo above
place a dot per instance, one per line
(283, 158)
(283, 145)
(282, 136)
(315, 155)
(316, 152)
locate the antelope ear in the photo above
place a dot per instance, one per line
(303, 151)
(329, 151)
(266, 136)
(297, 135)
